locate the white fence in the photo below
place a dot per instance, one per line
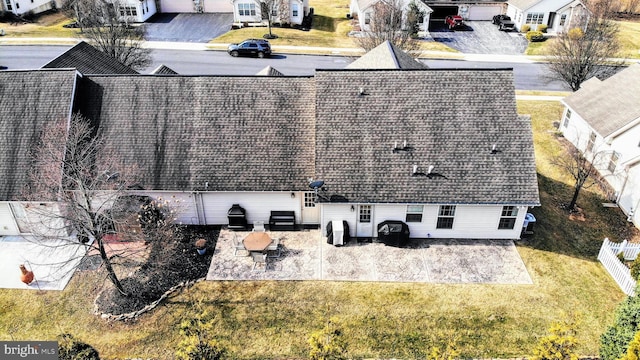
(619, 271)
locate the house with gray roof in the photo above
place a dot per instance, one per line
(558, 15)
(357, 145)
(602, 120)
(88, 60)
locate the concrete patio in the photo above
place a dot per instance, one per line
(307, 256)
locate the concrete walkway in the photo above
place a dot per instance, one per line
(307, 256)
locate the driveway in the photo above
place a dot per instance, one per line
(479, 37)
(187, 27)
(307, 256)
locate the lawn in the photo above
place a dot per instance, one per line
(260, 320)
(629, 38)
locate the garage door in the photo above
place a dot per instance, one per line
(440, 12)
(170, 6)
(478, 12)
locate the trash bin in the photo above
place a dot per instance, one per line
(529, 222)
(337, 232)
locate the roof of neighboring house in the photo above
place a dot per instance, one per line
(526, 4)
(362, 114)
(164, 70)
(89, 60)
(28, 100)
(609, 105)
(225, 133)
(269, 71)
(386, 56)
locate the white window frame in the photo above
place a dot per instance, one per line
(446, 212)
(508, 217)
(534, 18)
(414, 213)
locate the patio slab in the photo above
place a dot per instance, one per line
(307, 256)
(53, 262)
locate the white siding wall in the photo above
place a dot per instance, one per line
(629, 199)
(8, 224)
(470, 222)
(20, 7)
(258, 205)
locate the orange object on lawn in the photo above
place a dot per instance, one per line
(26, 276)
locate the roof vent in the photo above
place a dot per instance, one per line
(494, 149)
(430, 174)
(362, 92)
(404, 147)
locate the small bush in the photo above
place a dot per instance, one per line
(635, 268)
(535, 36)
(71, 349)
(633, 351)
(525, 28)
(561, 344)
(328, 343)
(542, 28)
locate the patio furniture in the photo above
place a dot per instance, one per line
(282, 220)
(259, 259)
(258, 226)
(238, 246)
(274, 247)
(256, 241)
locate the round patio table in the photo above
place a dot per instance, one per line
(256, 241)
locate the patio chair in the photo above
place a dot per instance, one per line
(274, 247)
(259, 259)
(238, 246)
(258, 226)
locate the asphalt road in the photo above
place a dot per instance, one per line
(528, 76)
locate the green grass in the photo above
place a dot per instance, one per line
(629, 38)
(261, 320)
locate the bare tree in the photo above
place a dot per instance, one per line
(387, 22)
(582, 167)
(269, 10)
(632, 6)
(105, 24)
(89, 185)
(578, 54)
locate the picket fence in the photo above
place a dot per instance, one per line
(619, 271)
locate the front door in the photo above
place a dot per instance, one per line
(310, 212)
(552, 18)
(364, 226)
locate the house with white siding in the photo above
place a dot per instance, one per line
(558, 15)
(602, 120)
(355, 145)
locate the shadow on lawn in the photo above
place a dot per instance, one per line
(555, 231)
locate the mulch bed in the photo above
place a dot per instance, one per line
(170, 263)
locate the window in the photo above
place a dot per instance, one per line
(414, 213)
(567, 116)
(128, 11)
(592, 141)
(310, 199)
(534, 18)
(613, 162)
(9, 7)
(445, 217)
(563, 19)
(247, 9)
(508, 217)
(367, 18)
(365, 213)
(294, 10)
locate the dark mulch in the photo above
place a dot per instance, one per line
(170, 263)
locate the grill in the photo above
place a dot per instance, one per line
(237, 218)
(393, 233)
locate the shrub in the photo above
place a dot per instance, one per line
(615, 340)
(196, 343)
(525, 28)
(635, 268)
(542, 28)
(633, 351)
(560, 344)
(620, 256)
(71, 349)
(535, 36)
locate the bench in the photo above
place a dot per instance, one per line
(282, 220)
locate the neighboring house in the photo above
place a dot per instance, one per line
(558, 15)
(603, 119)
(257, 11)
(28, 101)
(386, 56)
(387, 144)
(22, 7)
(363, 11)
(88, 60)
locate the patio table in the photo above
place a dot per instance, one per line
(256, 241)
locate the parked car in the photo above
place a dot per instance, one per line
(250, 47)
(454, 21)
(504, 22)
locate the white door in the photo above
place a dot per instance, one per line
(8, 225)
(364, 226)
(477, 12)
(310, 212)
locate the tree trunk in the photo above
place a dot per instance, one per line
(111, 273)
(574, 199)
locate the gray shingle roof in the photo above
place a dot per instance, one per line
(451, 119)
(609, 105)
(88, 60)
(234, 133)
(269, 71)
(386, 56)
(28, 100)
